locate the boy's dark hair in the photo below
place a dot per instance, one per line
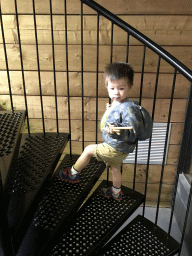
(119, 70)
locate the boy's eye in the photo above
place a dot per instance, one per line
(121, 89)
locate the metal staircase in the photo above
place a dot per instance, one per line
(42, 215)
(47, 216)
(40, 205)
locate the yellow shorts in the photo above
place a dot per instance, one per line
(106, 153)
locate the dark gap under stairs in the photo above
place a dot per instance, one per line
(58, 206)
(94, 224)
(143, 238)
(29, 176)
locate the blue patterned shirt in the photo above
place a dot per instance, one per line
(127, 114)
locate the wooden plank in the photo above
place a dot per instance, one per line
(184, 54)
(152, 191)
(47, 83)
(154, 174)
(165, 30)
(173, 154)
(120, 7)
(90, 129)
(34, 107)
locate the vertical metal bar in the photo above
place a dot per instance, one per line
(135, 165)
(107, 176)
(186, 218)
(142, 74)
(22, 69)
(180, 162)
(165, 147)
(38, 66)
(141, 90)
(149, 151)
(127, 55)
(111, 55)
(82, 82)
(6, 60)
(97, 77)
(67, 74)
(54, 71)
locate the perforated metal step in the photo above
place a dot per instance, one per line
(59, 205)
(97, 220)
(11, 124)
(31, 173)
(143, 238)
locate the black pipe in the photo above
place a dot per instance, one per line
(54, 71)
(97, 77)
(38, 66)
(153, 113)
(111, 55)
(127, 55)
(67, 74)
(140, 97)
(82, 80)
(6, 60)
(22, 68)
(165, 147)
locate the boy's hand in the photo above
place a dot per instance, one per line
(110, 129)
(108, 106)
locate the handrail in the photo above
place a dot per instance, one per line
(142, 38)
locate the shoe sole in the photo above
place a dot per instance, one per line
(71, 181)
(117, 199)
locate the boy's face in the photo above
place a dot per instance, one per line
(117, 90)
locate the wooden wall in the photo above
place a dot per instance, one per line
(168, 23)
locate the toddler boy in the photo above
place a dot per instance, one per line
(120, 126)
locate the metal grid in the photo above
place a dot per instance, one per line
(98, 219)
(32, 171)
(143, 238)
(157, 147)
(11, 124)
(59, 205)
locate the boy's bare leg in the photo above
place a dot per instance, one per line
(114, 192)
(84, 159)
(71, 174)
(117, 177)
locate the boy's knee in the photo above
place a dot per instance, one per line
(88, 150)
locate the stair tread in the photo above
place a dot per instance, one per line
(34, 167)
(59, 205)
(95, 223)
(141, 237)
